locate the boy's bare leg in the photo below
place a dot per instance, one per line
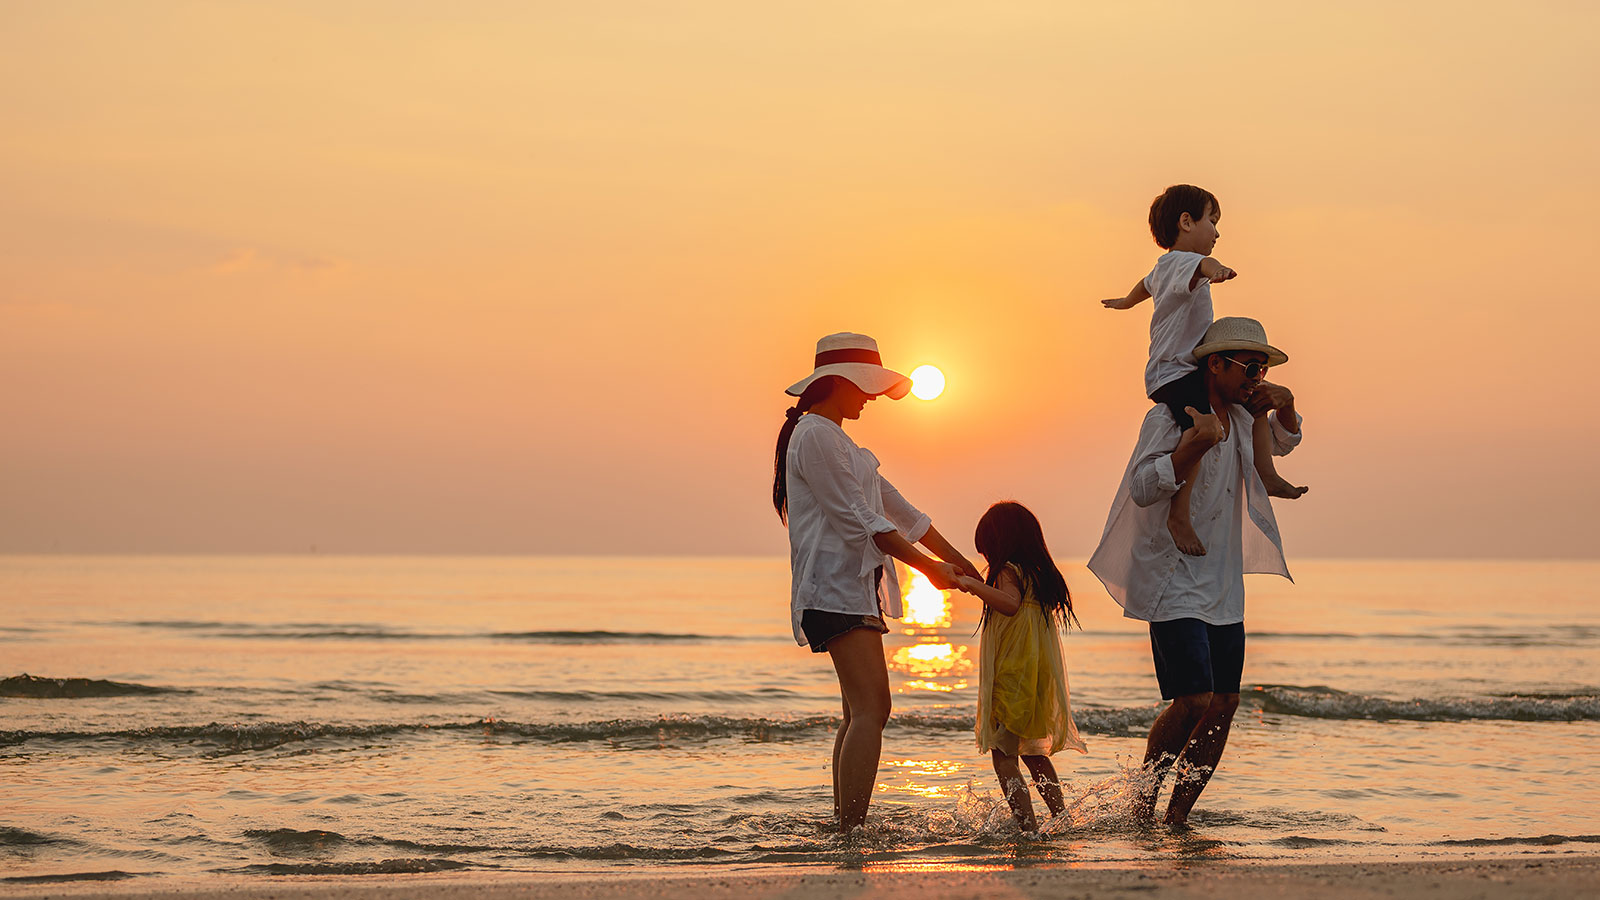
(1168, 737)
(1201, 755)
(1179, 522)
(1044, 778)
(1261, 439)
(1015, 789)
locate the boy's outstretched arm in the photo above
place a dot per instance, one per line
(1212, 271)
(1136, 296)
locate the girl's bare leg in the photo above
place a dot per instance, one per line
(1179, 522)
(1015, 789)
(1044, 778)
(864, 683)
(1261, 440)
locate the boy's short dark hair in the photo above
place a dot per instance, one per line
(1166, 209)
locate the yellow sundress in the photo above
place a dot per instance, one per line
(1024, 706)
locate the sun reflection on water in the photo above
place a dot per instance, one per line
(925, 605)
(916, 771)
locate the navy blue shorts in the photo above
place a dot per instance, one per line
(1176, 396)
(1193, 657)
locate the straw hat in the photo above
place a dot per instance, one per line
(854, 357)
(1238, 333)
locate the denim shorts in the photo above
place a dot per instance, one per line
(1193, 657)
(821, 627)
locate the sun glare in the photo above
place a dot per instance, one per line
(925, 604)
(927, 382)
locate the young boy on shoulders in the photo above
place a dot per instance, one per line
(1183, 221)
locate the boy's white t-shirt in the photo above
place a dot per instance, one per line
(1180, 319)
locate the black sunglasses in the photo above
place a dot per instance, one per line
(1251, 369)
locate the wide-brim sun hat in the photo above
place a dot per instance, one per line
(1238, 333)
(855, 358)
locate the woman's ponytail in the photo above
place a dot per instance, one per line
(814, 393)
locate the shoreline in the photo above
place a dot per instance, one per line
(1554, 877)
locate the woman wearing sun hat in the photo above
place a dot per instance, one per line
(845, 522)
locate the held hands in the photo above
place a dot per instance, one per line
(944, 576)
(970, 585)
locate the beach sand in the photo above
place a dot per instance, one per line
(1558, 878)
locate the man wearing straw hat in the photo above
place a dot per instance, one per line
(1195, 604)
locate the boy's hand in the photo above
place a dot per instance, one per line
(1207, 427)
(1119, 303)
(1216, 272)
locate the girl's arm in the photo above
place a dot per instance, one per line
(944, 576)
(1138, 295)
(1005, 599)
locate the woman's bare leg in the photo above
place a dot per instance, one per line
(1044, 778)
(838, 745)
(1015, 789)
(864, 683)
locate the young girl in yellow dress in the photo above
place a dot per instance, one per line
(1023, 705)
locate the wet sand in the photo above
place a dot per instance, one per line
(1557, 878)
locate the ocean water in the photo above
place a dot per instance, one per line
(268, 716)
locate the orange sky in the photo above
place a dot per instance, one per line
(530, 278)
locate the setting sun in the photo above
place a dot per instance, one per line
(927, 382)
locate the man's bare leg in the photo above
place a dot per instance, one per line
(1261, 440)
(1044, 778)
(1168, 737)
(1179, 522)
(864, 684)
(1201, 756)
(1015, 789)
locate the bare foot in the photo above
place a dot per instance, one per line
(1280, 488)
(1183, 535)
(1144, 807)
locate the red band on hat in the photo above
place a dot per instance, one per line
(848, 355)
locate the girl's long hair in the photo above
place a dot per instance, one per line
(815, 392)
(1009, 533)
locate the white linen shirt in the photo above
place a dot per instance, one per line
(837, 502)
(1179, 319)
(1137, 561)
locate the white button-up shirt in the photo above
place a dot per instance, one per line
(1137, 561)
(837, 502)
(1179, 317)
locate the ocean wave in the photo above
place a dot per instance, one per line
(1321, 702)
(370, 632)
(1543, 840)
(1290, 700)
(34, 687)
(379, 867)
(289, 842)
(112, 875)
(18, 837)
(1548, 636)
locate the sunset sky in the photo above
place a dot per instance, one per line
(531, 277)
